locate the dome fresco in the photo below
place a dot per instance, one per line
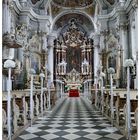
(111, 2)
(35, 1)
(73, 3)
(82, 20)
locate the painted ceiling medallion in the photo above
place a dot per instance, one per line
(34, 1)
(73, 3)
(111, 2)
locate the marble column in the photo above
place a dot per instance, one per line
(57, 90)
(51, 56)
(136, 27)
(96, 55)
(124, 41)
(5, 17)
(58, 56)
(136, 35)
(124, 51)
(50, 61)
(7, 23)
(133, 40)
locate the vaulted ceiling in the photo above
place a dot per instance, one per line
(62, 11)
(81, 20)
(73, 3)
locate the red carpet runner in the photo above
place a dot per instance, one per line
(73, 93)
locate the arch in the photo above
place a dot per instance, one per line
(73, 12)
(5, 2)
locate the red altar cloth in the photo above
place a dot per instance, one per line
(73, 93)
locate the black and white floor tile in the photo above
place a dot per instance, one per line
(72, 119)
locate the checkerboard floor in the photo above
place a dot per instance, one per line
(72, 119)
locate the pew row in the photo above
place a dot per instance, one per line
(119, 108)
(20, 109)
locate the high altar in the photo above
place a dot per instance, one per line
(74, 83)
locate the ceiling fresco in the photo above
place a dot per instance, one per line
(35, 1)
(73, 3)
(80, 19)
(111, 2)
(56, 9)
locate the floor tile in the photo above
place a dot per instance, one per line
(114, 136)
(49, 136)
(92, 136)
(72, 119)
(71, 136)
(28, 136)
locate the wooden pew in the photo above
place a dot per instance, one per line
(106, 100)
(45, 100)
(20, 108)
(119, 104)
(4, 121)
(121, 110)
(53, 97)
(36, 105)
(99, 99)
(4, 111)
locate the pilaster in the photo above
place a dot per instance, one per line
(96, 39)
(123, 31)
(51, 39)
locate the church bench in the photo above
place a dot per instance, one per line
(53, 97)
(109, 106)
(121, 100)
(4, 118)
(4, 111)
(121, 112)
(133, 117)
(20, 101)
(106, 102)
(20, 108)
(44, 100)
(99, 99)
(36, 104)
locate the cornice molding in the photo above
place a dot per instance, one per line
(29, 12)
(117, 10)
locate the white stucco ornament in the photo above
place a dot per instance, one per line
(9, 64)
(111, 70)
(41, 75)
(128, 63)
(102, 74)
(32, 71)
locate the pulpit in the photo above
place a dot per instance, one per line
(74, 93)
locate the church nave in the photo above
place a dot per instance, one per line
(72, 119)
(75, 62)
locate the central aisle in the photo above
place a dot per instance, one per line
(72, 119)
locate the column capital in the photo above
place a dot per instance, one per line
(104, 32)
(122, 26)
(51, 38)
(96, 39)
